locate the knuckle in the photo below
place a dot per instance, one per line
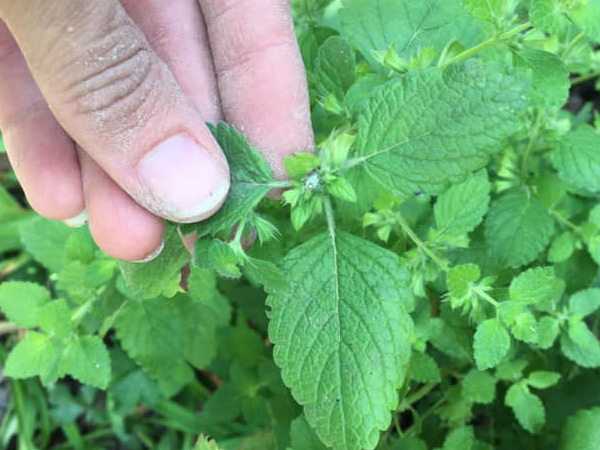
(114, 83)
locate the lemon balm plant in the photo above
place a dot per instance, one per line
(429, 279)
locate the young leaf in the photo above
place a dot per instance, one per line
(582, 430)
(577, 159)
(343, 311)
(35, 355)
(528, 407)
(335, 67)
(162, 275)
(517, 229)
(548, 330)
(21, 302)
(45, 240)
(424, 369)
(251, 180)
(460, 439)
(547, 15)
(407, 25)
(55, 319)
(450, 340)
(491, 344)
(479, 387)
(562, 247)
(537, 285)
(462, 207)
(580, 345)
(86, 359)
(584, 303)
(206, 444)
(460, 278)
(587, 17)
(488, 10)
(542, 379)
(424, 150)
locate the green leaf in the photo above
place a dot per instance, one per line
(462, 207)
(450, 340)
(517, 229)
(407, 25)
(548, 329)
(488, 10)
(335, 67)
(152, 334)
(479, 387)
(215, 254)
(580, 345)
(460, 279)
(86, 359)
(582, 431)
(577, 159)
(45, 240)
(162, 275)
(358, 95)
(205, 443)
(547, 16)
(21, 302)
(343, 311)
(542, 379)
(550, 88)
(528, 407)
(524, 328)
(491, 344)
(460, 439)
(587, 17)
(533, 286)
(251, 181)
(562, 247)
(35, 355)
(477, 109)
(303, 436)
(584, 303)
(55, 319)
(424, 369)
(511, 370)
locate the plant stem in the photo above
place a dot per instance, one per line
(486, 44)
(585, 77)
(422, 392)
(572, 45)
(565, 222)
(485, 296)
(420, 244)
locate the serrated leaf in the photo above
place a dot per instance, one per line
(251, 180)
(584, 303)
(580, 345)
(205, 443)
(517, 229)
(162, 275)
(548, 16)
(550, 88)
(21, 302)
(450, 340)
(562, 247)
(542, 379)
(344, 310)
(528, 407)
(587, 17)
(577, 159)
(86, 359)
(524, 328)
(477, 109)
(533, 286)
(479, 387)
(335, 67)
(35, 355)
(460, 439)
(582, 431)
(152, 334)
(491, 344)
(424, 369)
(460, 278)
(548, 329)
(511, 370)
(46, 240)
(407, 25)
(358, 95)
(55, 319)
(462, 207)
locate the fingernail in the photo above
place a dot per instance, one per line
(77, 221)
(186, 182)
(152, 256)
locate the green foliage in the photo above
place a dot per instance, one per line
(428, 280)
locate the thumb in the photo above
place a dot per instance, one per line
(120, 102)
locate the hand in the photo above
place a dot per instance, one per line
(103, 105)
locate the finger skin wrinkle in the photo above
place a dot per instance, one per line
(241, 61)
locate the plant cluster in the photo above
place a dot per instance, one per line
(431, 281)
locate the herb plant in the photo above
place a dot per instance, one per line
(428, 280)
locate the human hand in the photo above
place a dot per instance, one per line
(103, 105)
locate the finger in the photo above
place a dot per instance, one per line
(120, 226)
(121, 103)
(261, 77)
(41, 154)
(176, 32)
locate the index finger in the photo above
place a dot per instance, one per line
(261, 76)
